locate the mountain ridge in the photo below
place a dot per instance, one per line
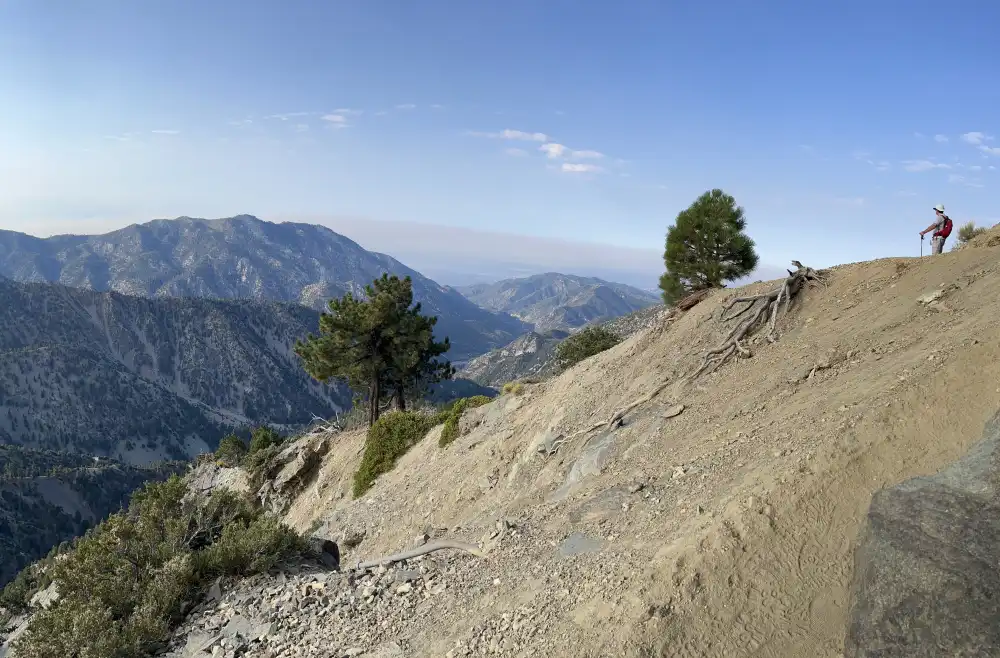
(144, 379)
(559, 301)
(243, 257)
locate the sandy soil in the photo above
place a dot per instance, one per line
(726, 530)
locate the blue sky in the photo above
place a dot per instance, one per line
(836, 125)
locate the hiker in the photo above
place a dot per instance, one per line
(942, 229)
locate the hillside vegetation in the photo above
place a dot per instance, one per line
(695, 489)
(51, 497)
(147, 379)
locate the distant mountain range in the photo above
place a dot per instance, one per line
(145, 379)
(243, 258)
(534, 355)
(555, 301)
(531, 355)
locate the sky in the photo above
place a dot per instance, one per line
(583, 127)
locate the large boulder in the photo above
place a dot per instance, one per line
(927, 566)
(291, 470)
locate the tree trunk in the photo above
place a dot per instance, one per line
(373, 401)
(400, 399)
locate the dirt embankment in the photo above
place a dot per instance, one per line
(724, 530)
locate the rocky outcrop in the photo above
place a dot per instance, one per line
(926, 581)
(291, 470)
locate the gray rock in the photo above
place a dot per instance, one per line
(406, 575)
(592, 459)
(239, 626)
(214, 592)
(926, 581)
(326, 550)
(578, 543)
(352, 537)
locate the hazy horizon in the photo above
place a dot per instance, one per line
(469, 256)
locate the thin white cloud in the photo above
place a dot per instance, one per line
(381, 113)
(516, 152)
(587, 155)
(241, 122)
(918, 135)
(989, 150)
(165, 132)
(856, 202)
(336, 121)
(878, 165)
(301, 128)
(976, 138)
(941, 139)
(552, 150)
(518, 135)
(437, 106)
(346, 111)
(579, 168)
(923, 165)
(406, 106)
(285, 116)
(974, 168)
(956, 179)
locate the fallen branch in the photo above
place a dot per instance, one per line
(418, 551)
(614, 421)
(692, 300)
(759, 309)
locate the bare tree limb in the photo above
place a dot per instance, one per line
(418, 551)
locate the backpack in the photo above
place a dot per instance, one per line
(945, 228)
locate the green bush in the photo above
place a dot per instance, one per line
(124, 585)
(969, 231)
(388, 439)
(584, 344)
(263, 437)
(231, 450)
(257, 464)
(451, 429)
(513, 388)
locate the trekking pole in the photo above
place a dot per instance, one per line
(921, 246)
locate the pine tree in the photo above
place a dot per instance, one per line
(706, 246)
(382, 344)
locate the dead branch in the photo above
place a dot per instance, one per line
(758, 310)
(418, 551)
(691, 300)
(614, 421)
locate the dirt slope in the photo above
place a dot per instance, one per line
(726, 530)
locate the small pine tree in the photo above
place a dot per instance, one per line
(380, 344)
(231, 450)
(706, 246)
(584, 344)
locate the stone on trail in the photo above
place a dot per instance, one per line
(926, 576)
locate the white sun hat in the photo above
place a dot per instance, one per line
(939, 207)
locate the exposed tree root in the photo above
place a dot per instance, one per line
(758, 310)
(417, 551)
